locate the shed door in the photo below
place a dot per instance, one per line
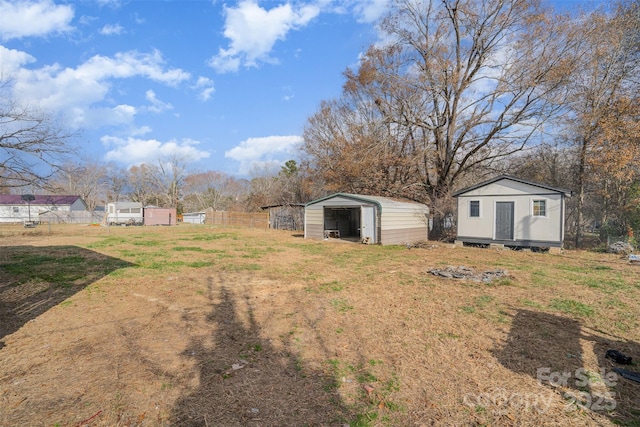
(368, 223)
(504, 220)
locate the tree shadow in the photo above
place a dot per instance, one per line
(560, 354)
(245, 380)
(34, 279)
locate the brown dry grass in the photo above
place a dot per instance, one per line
(201, 326)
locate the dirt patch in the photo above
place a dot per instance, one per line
(197, 326)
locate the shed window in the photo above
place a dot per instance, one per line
(474, 208)
(135, 210)
(16, 209)
(539, 208)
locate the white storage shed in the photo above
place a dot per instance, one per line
(513, 212)
(368, 219)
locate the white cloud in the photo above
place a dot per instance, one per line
(11, 60)
(370, 11)
(76, 91)
(205, 87)
(120, 115)
(135, 151)
(143, 130)
(157, 106)
(253, 31)
(85, 20)
(33, 18)
(205, 94)
(113, 4)
(110, 30)
(260, 151)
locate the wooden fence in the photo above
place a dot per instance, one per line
(237, 219)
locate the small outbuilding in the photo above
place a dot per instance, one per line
(513, 212)
(159, 216)
(194, 217)
(368, 219)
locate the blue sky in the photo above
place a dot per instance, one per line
(227, 86)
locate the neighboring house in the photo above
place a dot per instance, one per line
(14, 209)
(160, 216)
(286, 217)
(368, 219)
(124, 213)
(194, 217)
(513, 212)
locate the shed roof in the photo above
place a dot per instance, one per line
(48, 200)
(515, 179)
(377, 200)
(283, 205)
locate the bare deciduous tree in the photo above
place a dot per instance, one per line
(142, 185)
(33, 143)
(85, 179)
(209, 189)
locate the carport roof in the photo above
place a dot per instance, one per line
(377, 200)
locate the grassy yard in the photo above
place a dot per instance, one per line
(200, 326)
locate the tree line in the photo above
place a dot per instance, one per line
(455, 92)
(464, 90)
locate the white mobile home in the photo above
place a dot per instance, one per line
(124, 213)
(513, 212)
(369, 219)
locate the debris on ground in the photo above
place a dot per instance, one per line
(618, 357)
(620, 248)
(630, 375)
(420, 245)
(463, 272)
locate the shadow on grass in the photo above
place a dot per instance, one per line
(34, 279)
(244, 380)
(555, 350)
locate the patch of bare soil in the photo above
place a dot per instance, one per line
(194, 326)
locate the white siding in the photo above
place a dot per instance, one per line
(8, 215)
(527, 227)
(400, 217)
(314, 222)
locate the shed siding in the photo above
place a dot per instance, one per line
(314, 222)
(405, 235)
(394, 219)
(314, 231)
(160, 216)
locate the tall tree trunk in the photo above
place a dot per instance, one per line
(581, 183)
